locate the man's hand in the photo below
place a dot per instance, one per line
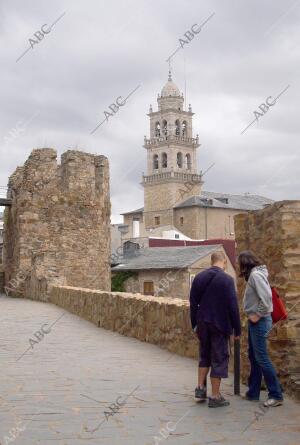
(195, 330)
(254, 318)
(233, 337)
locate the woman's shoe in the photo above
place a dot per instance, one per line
(273, 402)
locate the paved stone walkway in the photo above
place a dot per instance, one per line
(60, 390)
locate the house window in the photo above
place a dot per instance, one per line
(148, 288)
(184, 128)
(181, 220)
(177, 128)
(157, 220)
(164, 160)
(155, 162)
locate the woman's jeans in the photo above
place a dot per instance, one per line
(261, 364)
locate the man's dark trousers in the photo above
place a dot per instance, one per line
(213, 350)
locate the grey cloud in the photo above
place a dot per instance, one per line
(101, 50)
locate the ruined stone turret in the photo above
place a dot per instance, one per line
(57, 230)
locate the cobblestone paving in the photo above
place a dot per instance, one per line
(61, 390)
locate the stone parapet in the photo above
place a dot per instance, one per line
(1, 279)
(274, 235)
(162, 321)
(190, 178)
(176, 140)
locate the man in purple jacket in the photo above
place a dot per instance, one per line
(214, 317)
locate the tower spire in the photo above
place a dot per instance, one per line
(170, 71)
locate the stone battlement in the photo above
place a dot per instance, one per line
(57, 228)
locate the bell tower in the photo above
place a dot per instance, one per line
(172, 174)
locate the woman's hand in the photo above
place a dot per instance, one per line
(254, 318)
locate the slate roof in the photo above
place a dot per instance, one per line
(226, 201)
(140, 210)
(221, 201)
(165, 257)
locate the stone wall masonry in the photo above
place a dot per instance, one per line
(162, 321)
(274, 235)
(177, 286)
(1, 279)
(57, 229)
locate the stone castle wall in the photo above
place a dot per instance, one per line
(161, 321)
(274, 235)
(58, 227)
(1, 279)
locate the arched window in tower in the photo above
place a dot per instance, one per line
(164, 128)
(155, 162)
(179, 160)
(177, 127)
(184, 128)
(164, 160)
(157, 129)
(188, 162)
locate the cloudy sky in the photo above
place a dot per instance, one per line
(55, 94)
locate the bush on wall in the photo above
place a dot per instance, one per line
(118, 280)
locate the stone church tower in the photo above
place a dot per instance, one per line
(172, 174)
(175, 206)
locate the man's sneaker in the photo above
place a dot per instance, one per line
(217, 403)
(200, 394)
(273, 402)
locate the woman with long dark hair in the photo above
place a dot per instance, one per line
(258, 308)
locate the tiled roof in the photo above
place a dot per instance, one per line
(165, 258)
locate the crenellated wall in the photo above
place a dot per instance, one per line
(274, 235)
(57, 229)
